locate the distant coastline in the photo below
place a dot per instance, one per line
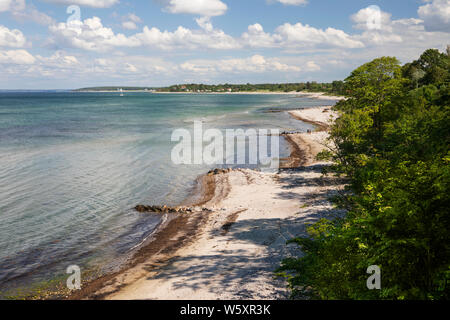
(314, 89)
(313, 95)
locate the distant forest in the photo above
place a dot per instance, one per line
(335, 87)
(391, 143)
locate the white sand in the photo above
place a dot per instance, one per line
(316, 114)
(320, 95)
(243, 241)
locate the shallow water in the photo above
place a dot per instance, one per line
(73, 165)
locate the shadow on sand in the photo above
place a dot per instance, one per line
(239, 271)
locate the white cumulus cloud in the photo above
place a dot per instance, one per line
(11, 38)
(30, 13)
(289, 36)
(129, 25)
(207, 8)
(25, 13)
(304, 35)
(10, 5)
(87, 3)
(254, 64)
(89, 34)
(436, 15)
(182, 37)
(312, 66)
(372, 18)
(130, 21)
(58, 60)
(16, 57)
(256, 37)
(293, 2)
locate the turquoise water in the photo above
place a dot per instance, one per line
(73, 165)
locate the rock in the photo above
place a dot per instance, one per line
(158, 209)
(141, 208)
(218, 171)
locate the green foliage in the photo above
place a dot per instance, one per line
(392, 140)
(333, 88)
(432, 67)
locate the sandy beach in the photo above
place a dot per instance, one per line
(319, 95)
(304, 94)
(230, 245)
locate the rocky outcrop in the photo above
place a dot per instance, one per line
(166, 209)
(161, 209)
(218, 171)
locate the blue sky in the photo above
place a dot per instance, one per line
(162, 42)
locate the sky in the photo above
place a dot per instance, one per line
(68, 44)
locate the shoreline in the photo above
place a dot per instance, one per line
(312, 95)
(217, 209)
(160, 243)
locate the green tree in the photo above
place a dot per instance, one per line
(392, 143)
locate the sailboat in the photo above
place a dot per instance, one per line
(121, 92)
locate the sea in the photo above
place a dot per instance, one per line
(73, 165)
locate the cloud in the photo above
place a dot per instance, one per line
(253, 64)
(293, 2)
(23, 13)
(130, 21)
(405, 38)
(207, 37)
(377, 26)
(436, 15)
(208, 8)
(9, 5)
(288, 36)
(134, 18)
(129, 25)
(19, 57)
(58, 60)
(372, 18)
(304, 35)
(256, 37)
(57, 66)
(30, 13)
(138, 65)
(90, 35)
(130, 68)
(379, 38)
(312, 66)
(11, 38)
(321, 54)
(87, 3)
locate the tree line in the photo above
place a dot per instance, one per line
(391, 142)
(335, 87)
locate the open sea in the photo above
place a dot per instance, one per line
(74, 165)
